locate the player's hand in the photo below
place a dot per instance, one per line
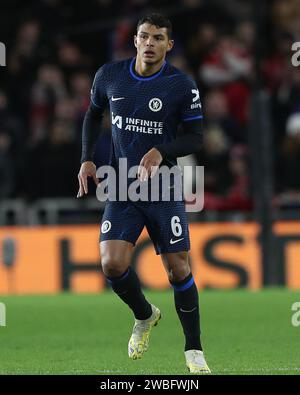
(87, 169)
(149, 164)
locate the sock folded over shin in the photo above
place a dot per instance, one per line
(187, 307)
(128, 288)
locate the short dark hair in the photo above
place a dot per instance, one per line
(157, 20)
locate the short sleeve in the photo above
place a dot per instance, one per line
(99, 88)
(190, 106)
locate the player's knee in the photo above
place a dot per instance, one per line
(112, 266)
(178, 274)
(179, 269)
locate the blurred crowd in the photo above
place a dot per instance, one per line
(54, 48)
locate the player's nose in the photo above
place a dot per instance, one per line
(149, 41)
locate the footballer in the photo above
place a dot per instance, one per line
(148, 100)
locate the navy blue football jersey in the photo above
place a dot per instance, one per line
(145, 111)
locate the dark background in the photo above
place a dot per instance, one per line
(54, 48)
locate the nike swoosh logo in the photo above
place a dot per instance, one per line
(117, 98)
(175, 241)
(187, 311)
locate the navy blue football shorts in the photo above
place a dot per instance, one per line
(166, 223)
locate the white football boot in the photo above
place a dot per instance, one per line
(195, 362)
(139, 341)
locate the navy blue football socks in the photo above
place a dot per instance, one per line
(187, 307)
(128, 288)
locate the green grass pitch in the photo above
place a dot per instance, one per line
(243, 333)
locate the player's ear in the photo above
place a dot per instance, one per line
(170, 45)
(135, 41)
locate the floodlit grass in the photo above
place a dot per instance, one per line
(243, 333)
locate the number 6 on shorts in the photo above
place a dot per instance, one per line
(176, 226)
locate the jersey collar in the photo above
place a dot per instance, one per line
(140, 78)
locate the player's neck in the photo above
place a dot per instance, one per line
(145, 70)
